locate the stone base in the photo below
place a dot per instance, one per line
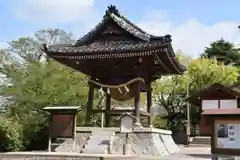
(143, 141)
(66, 144)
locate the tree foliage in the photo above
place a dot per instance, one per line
(171, 92)
(33, 82)
(10, 135)
(223, 51)
(205, 72)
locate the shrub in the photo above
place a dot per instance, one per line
(35, 135)
(10, 135)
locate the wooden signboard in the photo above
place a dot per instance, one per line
(226, 137)
(62, 125)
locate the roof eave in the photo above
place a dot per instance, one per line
(195, 99)
(49, 49)
(180, 69)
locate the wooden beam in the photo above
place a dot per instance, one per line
(89, 104)
(93, 85)
(111, 111)
(137, 102)
(119, 112)
(149, 105)
(108, 107)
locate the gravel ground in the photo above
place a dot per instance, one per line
(186, 153)
(191, 153)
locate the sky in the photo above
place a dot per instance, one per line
(192, 24)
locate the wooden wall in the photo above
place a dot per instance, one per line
(206, 125)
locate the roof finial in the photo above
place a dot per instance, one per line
(112, 9)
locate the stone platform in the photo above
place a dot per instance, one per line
(143, 141)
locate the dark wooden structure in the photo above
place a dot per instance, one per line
(223, 100)
(62, 123)
(122, 59)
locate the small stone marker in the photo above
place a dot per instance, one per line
(126, 127)
(127, 121)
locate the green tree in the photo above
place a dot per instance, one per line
(205, 72)
(171, 92)
(224, 51)
(33, 83)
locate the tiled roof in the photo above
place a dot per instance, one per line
(107, 46)
(140, 43)
(113, 14)
(146, 41)
(196, 97)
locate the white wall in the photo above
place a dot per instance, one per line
(224, 104)
(209, 104)
(228, 104)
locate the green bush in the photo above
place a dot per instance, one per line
(35, 135)
(159, 122)
(10, 135)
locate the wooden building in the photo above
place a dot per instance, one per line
(120, 58)
(215, 100)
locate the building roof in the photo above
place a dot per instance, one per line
(88, 43)
(235, 87)
(128, 115)
(87, 51)
(117, 37)
(221, 112)
(113, 14)
(210, 92)
(62, 108)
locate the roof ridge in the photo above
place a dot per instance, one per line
(112, 12)
(113, 9)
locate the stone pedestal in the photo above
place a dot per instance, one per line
(143, 141)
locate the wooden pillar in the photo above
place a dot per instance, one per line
(74, 131)
(50, 133)
(108, 107)
(89, 104)
(149, 105)
(137, 103)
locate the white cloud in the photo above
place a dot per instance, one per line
(192, 36)
(54, 11)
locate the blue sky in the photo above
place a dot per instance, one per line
(193, 24)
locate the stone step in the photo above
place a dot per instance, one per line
(66, 144)
(99, 142)
(199, 145)
(203, 141)
(200, 141)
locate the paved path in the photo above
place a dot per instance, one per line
(191, 153)
(186, 153)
